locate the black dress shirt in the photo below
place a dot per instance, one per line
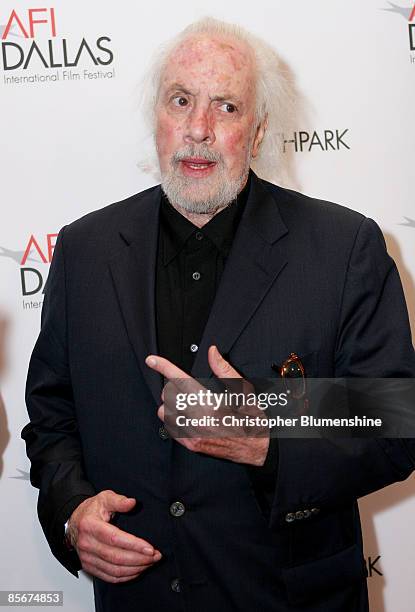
(190, 263)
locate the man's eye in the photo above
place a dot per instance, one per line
(228, 107)
(180, 101)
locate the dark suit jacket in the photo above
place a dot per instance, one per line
(303, 275)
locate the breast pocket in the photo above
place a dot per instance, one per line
(263, 368)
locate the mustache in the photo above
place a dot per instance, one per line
(193, 151)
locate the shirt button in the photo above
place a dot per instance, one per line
(290, 517)
(177, 509)
(163, 433)
(193, 348)
(199, 236)
(196, 275)
(175, 585)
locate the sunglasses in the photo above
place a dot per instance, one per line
(293, 373)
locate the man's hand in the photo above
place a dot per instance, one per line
(104, 550)
(250, 450)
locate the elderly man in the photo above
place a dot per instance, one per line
(216, 272)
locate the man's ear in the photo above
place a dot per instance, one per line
(259, 136)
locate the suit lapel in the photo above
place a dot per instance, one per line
(134, 272)
(256, 259)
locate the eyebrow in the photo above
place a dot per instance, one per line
(227, 96)
(180, 87)
(220, 98)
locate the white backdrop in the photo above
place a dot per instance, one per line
(71, 145)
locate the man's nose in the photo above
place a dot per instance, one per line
(199, 128)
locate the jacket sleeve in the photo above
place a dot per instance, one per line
(52, 440)
(373, 341)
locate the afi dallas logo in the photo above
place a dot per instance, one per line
(30, 42)
(32, 278)
(34, 262)
(408, 13)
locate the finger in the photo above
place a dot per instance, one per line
(221, 448)
(160, 412)
(193, 443)
(179, 378)
(165, 367)
(117, 556)
(116, 569)
(112, 536)
(94, 571)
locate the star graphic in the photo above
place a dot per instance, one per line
(15, 255)
(23, 475)
(2, 29)
(409, 222)
(400, 10)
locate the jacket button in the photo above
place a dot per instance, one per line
(177, 509)
(299, 515)
(306, 513)
(163, 433)
(290, 517)
(315, 511)
(175, 585)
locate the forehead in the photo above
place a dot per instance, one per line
(212, 61)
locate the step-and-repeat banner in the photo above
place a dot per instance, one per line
(72, 140)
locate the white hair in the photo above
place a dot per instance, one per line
(276, 98)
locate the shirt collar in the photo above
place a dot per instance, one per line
(220, 230)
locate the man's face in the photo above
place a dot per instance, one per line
(205, 132)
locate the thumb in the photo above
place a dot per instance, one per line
(223, 369)
(219, 366)
(114, 502)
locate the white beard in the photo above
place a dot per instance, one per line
(185, 192)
